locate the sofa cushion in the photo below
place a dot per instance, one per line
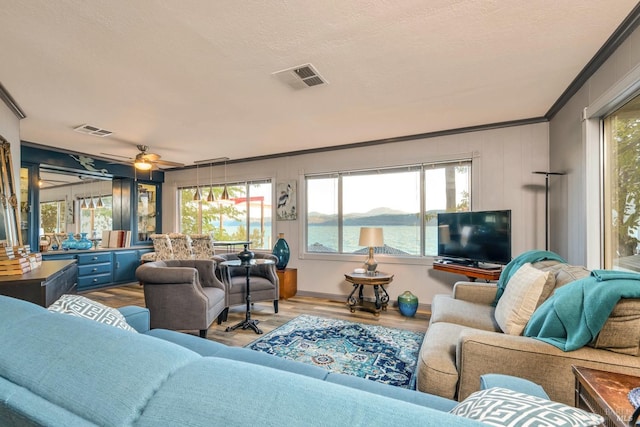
(503, 407)
(445, 308)
(84, 367)
(621, 331)
(79, 306)
(521, 297)
(220, 392)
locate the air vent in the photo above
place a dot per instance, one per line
(93, 130)
(300, 77)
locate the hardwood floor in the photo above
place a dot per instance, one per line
(262, 311)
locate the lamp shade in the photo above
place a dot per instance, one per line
(371, 236)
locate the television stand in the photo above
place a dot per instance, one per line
(471, 272)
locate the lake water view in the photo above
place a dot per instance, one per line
(401, 237)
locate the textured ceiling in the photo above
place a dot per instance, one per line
(193, 79)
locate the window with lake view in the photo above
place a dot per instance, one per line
(404, 201)
(245, 215)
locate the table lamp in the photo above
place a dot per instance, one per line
(371, 237)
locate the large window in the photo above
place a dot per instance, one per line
(246, 215)
(622, 187)
(403, 201)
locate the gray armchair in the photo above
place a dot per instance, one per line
(263, 280)
(183, 294)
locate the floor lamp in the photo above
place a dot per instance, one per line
(546, 204)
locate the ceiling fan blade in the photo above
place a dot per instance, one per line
(117, 155)
(151, 157)
(168, 163)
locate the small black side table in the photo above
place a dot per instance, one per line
(248, 322)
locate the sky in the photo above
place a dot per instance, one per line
(363, 193)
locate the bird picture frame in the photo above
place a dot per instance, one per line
(286, 200)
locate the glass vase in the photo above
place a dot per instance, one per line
(69, 243)
(282, 252)
(83, 243)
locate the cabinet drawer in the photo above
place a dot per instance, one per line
(94, 280)
(87, 270)
(94, 258)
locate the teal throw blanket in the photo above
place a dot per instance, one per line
(573, 316)
(513, 266)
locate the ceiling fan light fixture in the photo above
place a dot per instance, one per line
(142, 164)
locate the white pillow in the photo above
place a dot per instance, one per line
(79, 306)
(520, 298)
(507, 408)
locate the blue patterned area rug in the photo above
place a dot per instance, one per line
(376, 353)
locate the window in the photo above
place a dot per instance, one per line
(403, 201)
(52, 216)
(247, 215)
(147, 195)
(621, 189)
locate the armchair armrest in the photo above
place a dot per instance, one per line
(481, 293)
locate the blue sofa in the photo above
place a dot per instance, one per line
(60, 370)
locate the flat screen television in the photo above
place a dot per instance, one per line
(475, 237)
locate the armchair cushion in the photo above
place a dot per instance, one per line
(503, 407)
(521, 297)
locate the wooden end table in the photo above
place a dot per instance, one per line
(378, 281)
(605, 393)
(473, 273)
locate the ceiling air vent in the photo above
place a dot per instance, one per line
(93, 130)
(300, 77)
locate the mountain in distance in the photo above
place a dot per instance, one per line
(375, 217)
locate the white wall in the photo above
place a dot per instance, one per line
(502, 179)
(575, 147)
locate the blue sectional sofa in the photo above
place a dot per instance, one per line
(60, 370)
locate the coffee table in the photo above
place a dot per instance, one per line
(248, 322)
(378, 282)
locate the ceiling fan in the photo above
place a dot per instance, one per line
(145, 160)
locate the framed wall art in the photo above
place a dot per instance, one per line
(286, 209)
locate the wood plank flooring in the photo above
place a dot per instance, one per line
(262, 311)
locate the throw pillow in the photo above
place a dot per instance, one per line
(521, 297)
(79, 306)
(507, 408)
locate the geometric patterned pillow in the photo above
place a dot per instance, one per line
(503, 407)
(79, 306)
